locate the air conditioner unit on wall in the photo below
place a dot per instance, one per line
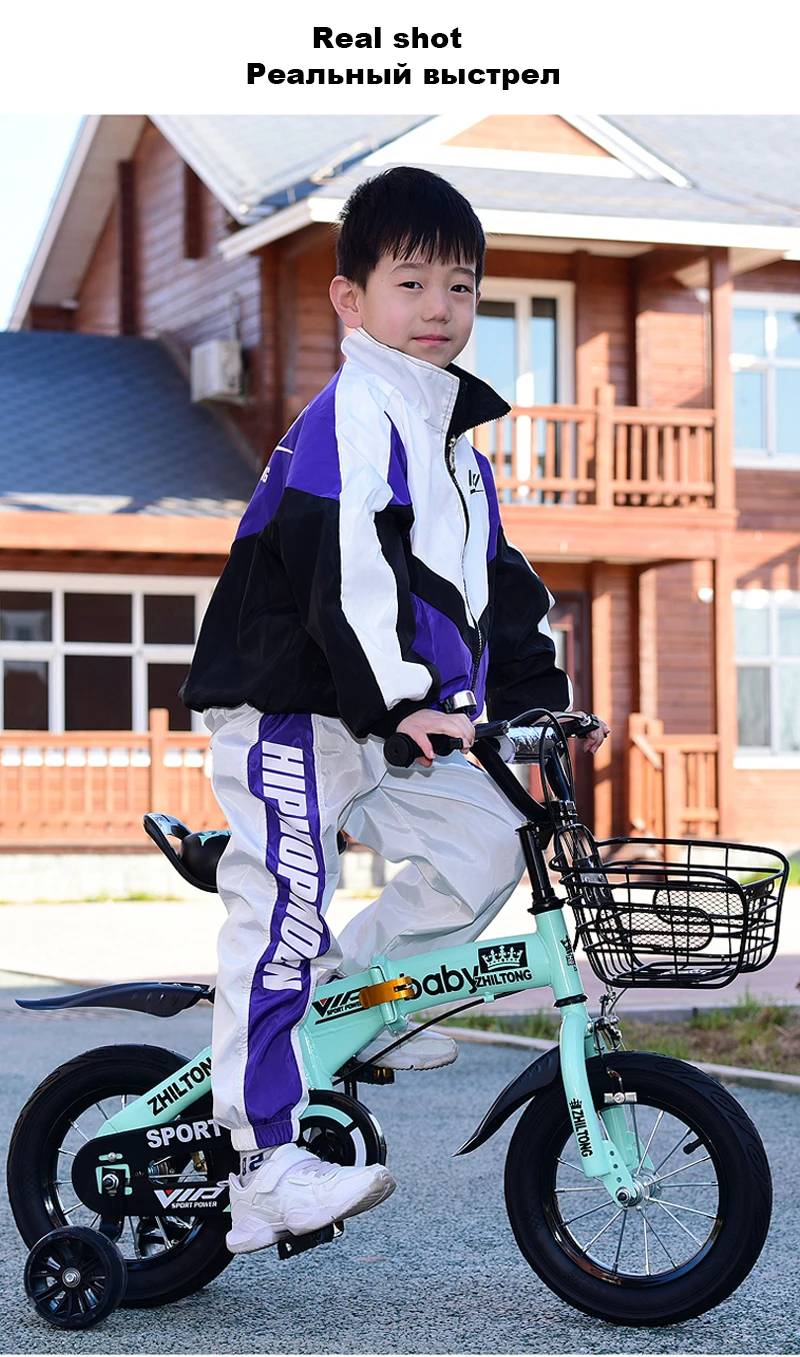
(217, 371)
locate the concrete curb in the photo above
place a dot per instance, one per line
(727, 1074)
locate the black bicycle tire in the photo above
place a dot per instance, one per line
(745, 1194)
(117, 1069)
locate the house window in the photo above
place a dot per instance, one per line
(96, 652)
(768, 671)
(765, 358)
(523, 346)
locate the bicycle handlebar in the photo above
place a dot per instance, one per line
(401, 750)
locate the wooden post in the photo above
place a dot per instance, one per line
(127, 240)
(604, 446)
(721, 318)
(581, 263)
(602, 698)
(159, 726)
(637, 816)
(673, 794)
(725, 682)
(721, 313)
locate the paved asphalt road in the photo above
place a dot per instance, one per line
(434, 1270)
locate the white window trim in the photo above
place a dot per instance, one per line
(757, 756)
(520, 291)
(766, 459)
(59, 584)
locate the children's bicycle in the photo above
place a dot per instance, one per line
(636, 1186)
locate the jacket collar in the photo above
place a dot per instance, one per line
(449, 399)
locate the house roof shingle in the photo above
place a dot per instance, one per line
(91, 424)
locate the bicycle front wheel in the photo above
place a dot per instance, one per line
(701, 1217)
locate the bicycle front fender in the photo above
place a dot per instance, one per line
(543, 1072)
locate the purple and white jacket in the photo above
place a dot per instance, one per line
(370, 575)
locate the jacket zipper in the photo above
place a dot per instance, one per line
(450, 462)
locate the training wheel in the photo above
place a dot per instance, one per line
(75, 1277)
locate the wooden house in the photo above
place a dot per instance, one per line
(641, 312)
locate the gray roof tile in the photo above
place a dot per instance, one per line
(90, 424)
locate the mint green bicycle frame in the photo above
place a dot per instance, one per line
(337, 1027)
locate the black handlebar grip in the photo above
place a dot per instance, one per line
(401, 751)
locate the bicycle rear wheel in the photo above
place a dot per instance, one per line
(703, 1215)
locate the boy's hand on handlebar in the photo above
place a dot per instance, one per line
(595, 738)
(421, 724)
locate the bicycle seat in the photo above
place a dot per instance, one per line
(197, 855)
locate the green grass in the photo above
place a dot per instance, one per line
(749, 1034)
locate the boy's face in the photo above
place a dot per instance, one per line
(424, 309)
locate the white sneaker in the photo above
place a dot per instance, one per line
(425, 1051)
(296, 1193)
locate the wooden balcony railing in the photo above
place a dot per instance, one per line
(672, 782)
(93, 787)
(604, 455)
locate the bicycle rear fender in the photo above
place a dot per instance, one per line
(543, 1072)
(161, 999)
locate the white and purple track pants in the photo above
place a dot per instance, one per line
(287, 784)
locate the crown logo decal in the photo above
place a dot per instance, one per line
(502, 958)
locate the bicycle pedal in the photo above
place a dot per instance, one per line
(376, 1074)
(294, 1244)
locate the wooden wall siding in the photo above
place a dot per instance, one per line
(768, 500)
(112, 563)
(767, 560)
(766, 803)
(671, 348)
(527, 264)
(681, 689)
(304, 327)
(187, 298)
(51, 318)
(602, 326)
(782, 276)
(528, 132)
(611, 691)
(98, 299)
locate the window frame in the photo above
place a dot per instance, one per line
(768, 457)
(521, 291)
(140, 652)
(767, 756)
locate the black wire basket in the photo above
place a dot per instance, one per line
(681, 913)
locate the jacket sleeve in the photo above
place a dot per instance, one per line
(343, 551)
(522, 656)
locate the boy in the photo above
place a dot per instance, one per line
(370, 589)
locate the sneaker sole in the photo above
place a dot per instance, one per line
(383, 1187)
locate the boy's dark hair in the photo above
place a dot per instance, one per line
(400, 212)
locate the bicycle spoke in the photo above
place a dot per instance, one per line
(619, 1242)
(663, 1176)
(686, 1133)
(102, 1112)
(71, 1153)
(576, 1168)
(650, 1141)
(636, 1133)
(80, 1133)
(68, 1211)
(163, 1233)
(588, 1188)
(592, 1212)
(663, 1245)
(679, 1223)
(605, 1227)
(646, 1254)
(690, 1209)
(136, 1248)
